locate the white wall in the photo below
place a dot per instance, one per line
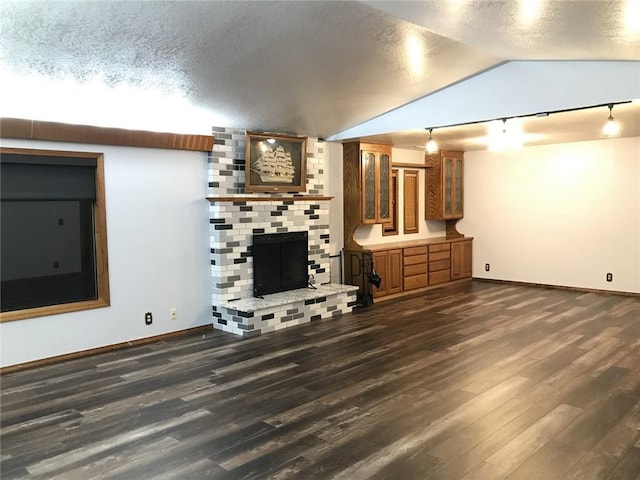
(560, 214)
(158, 233)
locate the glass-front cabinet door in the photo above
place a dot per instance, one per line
(458, 188)
(375, 171)
(384, 199)
(368, 187)
(448, 187)
(444, 185)
(452, 185)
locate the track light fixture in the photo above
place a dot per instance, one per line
(506, 132)
(432, 145)
(612, 127)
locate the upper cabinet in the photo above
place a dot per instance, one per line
(375, 176)
(445, 185)
(367, 186)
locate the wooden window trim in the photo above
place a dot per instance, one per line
(65, 132)
(100, 236)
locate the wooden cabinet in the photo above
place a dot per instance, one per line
(439, 263)
(461, 259)
(375, 175)
(409, 267)
(410, 201)
(366, 173)
(391, 227)
(414, 260)
(388, 264)
(445, 185)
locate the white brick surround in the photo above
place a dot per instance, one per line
(232, 224)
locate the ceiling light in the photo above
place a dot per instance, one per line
(530, 12)
(612, 127)
(416, 54)
(505, 134)
(432, 145)
(496, 135)
(632, 17)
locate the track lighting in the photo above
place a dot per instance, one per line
(432, 145)
(612, 127)
(507, 132)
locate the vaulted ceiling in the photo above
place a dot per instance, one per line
(338, 70)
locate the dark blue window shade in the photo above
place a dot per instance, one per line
(47, 231)
(37, 178)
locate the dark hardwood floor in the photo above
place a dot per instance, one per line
(480, 381)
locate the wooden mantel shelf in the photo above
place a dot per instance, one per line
(301, 198)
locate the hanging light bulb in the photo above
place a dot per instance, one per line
(496, 137)
(432, 145)
(612, 127)
(505, 134)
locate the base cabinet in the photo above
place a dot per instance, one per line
(409, 267)
(388, 264)
(461, 260)
(414, 261)
(439, 263)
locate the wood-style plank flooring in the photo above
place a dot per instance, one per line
(480, 381)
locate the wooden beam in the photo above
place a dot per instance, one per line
(65, 132)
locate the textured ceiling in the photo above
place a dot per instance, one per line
(305, 67)
(531, 29)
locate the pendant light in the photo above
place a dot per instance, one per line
(612, 127)
(432, 145)
(497, 134)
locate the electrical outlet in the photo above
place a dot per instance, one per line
(148, 318)
(487, 267)
(609, 277)
(173, 314)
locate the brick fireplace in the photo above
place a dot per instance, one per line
(235, 216)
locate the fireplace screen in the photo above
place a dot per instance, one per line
(280, 262)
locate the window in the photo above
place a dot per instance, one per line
(53, 233)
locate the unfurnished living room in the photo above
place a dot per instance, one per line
(320, 240)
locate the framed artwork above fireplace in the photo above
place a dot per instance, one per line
(275, 163)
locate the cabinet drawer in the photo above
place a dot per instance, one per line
(439, 256)
(439, 277)
(440, 247)
(415, 251)
(439, 265)
(415, 259)
(416, 281)
(417, 269)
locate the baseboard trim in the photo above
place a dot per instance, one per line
(558, 287)
(107, 348)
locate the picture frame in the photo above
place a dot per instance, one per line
(275, 163)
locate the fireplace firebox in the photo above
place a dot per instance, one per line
(280, 262)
